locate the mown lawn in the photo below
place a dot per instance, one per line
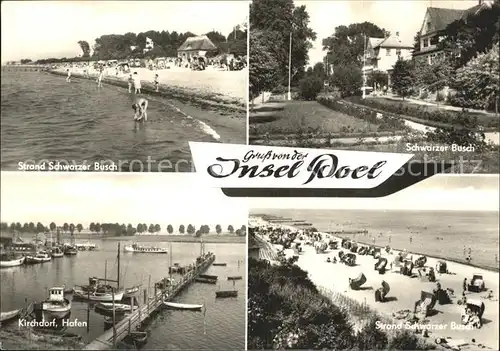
(297, 117)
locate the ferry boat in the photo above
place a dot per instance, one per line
(134, 248)
(56, 306)
(40, 257)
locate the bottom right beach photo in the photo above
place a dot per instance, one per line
(417, 270)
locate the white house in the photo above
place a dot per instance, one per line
(383, 53)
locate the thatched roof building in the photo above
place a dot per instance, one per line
(196, 46)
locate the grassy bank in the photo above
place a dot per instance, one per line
(287, 310)
(206, 100)
(23, 339)
(212, 239)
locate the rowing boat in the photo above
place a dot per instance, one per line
(182, 306)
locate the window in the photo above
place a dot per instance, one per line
(387, 52)
(428, 26)
(426, 43)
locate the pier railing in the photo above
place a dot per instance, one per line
(151, 304)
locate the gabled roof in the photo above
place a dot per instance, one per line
(201, 42)
(389, 42)
(442, 17)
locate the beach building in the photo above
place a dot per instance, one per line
(433, 25)
(383, 53)
(196, 47)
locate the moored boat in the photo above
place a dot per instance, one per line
(39, 257)
(70, 250)
(226, 293)
(107, 307)
(11, 261)
(205, 281)
(56, 306)
(236, 277)
(98, 296)
(57, 252)
(135, 248)
(183, 306)
(129, 292)
(7, 316)
(220, 264)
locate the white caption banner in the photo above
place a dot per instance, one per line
(248, 166)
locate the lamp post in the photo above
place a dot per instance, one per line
(290, 69)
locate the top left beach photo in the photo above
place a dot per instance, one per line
(120, 86)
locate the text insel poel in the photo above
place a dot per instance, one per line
(322, 166)
(327, 166)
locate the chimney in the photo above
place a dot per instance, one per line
(480, 2)
(397, 34)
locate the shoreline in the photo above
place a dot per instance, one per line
(348, 235)
(204, 100)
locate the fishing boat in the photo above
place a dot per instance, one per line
(11, 261)
(70, 250)
(57, 252)
(98, 296)
(39, 257)
(134, 248)
(56, 306)
(101, 292)
(7, 316)
(219, 264)
(182, 306)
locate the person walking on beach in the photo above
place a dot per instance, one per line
(464, 285)
(140, 109)
(156, 82)
(137, 83)
(411, 239)
(130, 83)
(68, 78)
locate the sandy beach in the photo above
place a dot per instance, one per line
(405, 291)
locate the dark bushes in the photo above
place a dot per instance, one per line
(386, 121)
(310, 87)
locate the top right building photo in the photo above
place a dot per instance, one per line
(419, 77)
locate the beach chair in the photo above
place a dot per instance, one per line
(473, 313)
(426, 303)
(441, 267)
(355, 284)
(421, 261)
(476, 283)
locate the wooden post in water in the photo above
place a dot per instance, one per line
(106, 272)
(145, 296)
(149, 286)
(114, 317)
(118, 274)
(88, 311)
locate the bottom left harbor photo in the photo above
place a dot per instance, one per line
(120, 261)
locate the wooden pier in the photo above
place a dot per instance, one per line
(151, 304)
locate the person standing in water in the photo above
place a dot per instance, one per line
(137, 83)
(156, 82)
(99, 78)
(68, 78)
(140, 109)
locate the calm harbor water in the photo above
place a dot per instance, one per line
(222, 328)
(435, 233)
(45, 118)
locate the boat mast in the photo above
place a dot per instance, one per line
(118, 277)
(105, 272)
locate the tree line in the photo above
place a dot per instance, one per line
(133, 45)
(116, 228)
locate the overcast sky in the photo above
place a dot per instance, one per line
(42, 29)
(441, 192)
(174, 198)
(403, 16)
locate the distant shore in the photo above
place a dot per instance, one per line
(209, 239)
(202, 97)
